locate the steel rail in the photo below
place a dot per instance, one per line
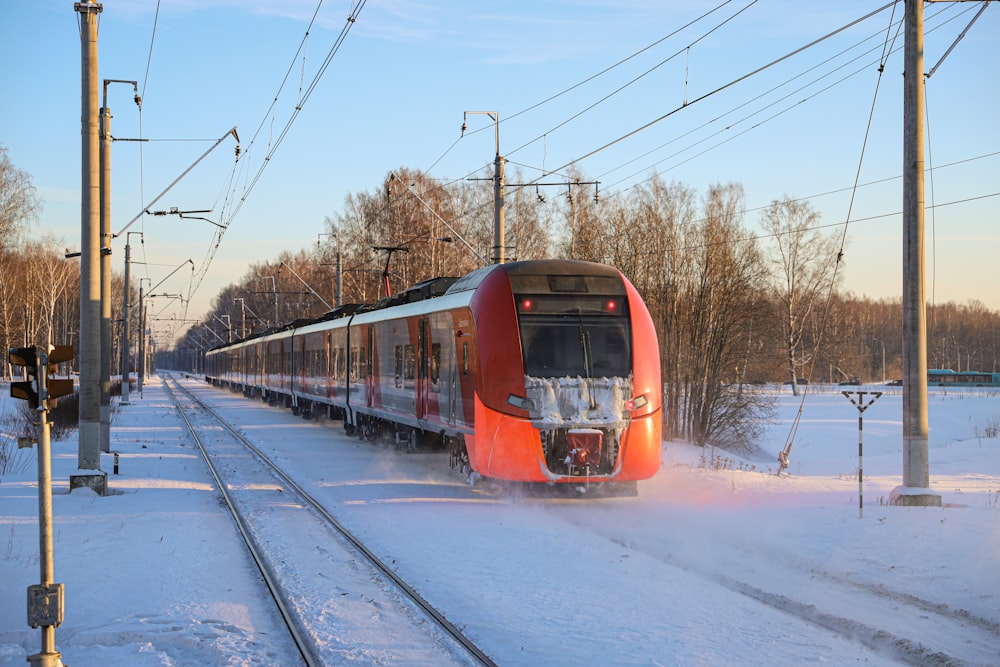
(414, 596)
(272, 585)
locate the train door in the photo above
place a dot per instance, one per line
(423, 362)
(328, 389)
(367, 366)
(453, 389)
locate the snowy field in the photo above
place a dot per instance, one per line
(717, 562)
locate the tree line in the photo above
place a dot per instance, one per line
(736, 301)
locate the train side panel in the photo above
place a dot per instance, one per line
(422, 374)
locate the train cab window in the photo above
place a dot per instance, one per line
(578, 336)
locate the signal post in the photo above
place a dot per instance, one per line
(45, 599)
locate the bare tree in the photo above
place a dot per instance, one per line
(804, 263)
(700, 278)
(51, 278)
(19, 203)
(721, 296)
(647, 246)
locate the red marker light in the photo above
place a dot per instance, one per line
(527, 304)
(611, 306)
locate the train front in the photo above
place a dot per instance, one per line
(569, 382)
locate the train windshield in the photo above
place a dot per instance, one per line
(575, 336)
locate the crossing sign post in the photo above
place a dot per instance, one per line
(861, 405)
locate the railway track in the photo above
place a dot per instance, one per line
(899, 625)
(294, 540)
(825, 602)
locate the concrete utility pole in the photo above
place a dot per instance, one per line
(126, 345)
(105, 269)
(89, 453)
(140, 367)
(499, 234)
(106, 263)
(915, 490)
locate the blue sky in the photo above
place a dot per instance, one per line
(395, 92)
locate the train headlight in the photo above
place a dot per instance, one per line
(521, 402)
(636, 403)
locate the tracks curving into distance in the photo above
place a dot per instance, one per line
(460, 649)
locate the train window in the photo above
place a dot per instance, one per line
(399, 366)
(370, 369)
(357, 364)
(409, 364)
(342, 363)
(577, 346)
(435, 364)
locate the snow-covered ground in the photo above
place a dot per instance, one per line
(717, 562)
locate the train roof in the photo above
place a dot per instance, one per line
(522, 272)
(534, 267)
(427, 289)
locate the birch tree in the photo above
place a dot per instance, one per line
(803, 263)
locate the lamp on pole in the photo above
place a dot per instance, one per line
(498, 187)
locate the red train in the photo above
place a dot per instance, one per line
(537, 371)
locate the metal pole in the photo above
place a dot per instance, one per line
(106, 346)
(498, 187)
(105, 268)
(916, 476)
(883, 356)
(339, 296)
(243, 309)
(89, 452)
(45, 601)
(125, 342)
(140, 370)
(274, 288)
(861, 406)
(499, 234)
(861, 467)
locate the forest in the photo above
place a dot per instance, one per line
(739, 298)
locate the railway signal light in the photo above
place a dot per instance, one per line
(41, 387)
(59, 386)
(27, 357)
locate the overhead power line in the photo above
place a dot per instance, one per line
(226, 218)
